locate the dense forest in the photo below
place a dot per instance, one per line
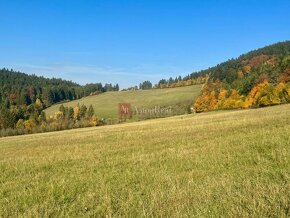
(22, 89)
(258, 78)
(23, 97)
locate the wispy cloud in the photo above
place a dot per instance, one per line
(87, 73)
(96, 70)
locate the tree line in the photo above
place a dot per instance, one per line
(64, 118)
(192, 79)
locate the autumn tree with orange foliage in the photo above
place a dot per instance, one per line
(262, 94)
(233, 101)
(254, 94)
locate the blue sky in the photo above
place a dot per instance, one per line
(130, 41)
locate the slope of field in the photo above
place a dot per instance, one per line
(228, 163)
(106, 104)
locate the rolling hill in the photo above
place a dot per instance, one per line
(106, 104)
(216, 164)
(256, 79)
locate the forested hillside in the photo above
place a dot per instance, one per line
(258, 78)
(23, 97)
(22, 89)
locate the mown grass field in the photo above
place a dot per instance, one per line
(106, 104)
(229, 164)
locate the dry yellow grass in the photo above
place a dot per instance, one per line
(229, 163)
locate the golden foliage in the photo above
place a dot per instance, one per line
(201, 103)
(288, 89)
(254, 94)
(29, 124)
(59, 115)
(262, 94)
(94, 120)
(273, 95)
(20, 123)
(221, 98)
(233, 101)
(76, 112)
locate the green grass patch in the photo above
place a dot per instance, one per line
(106, 104)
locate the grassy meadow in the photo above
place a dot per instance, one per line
(106, 104)
(225, 164)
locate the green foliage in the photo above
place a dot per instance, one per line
(69, 113)
(145, 85)
(83, 111)
(7, 118)
(62, 109)
(42, 117)
(90, 111)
